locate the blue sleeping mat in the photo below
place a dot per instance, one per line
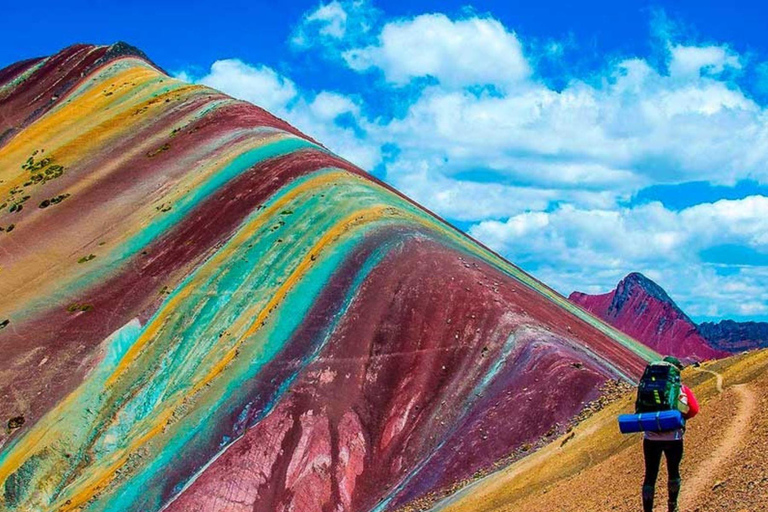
(651, 422)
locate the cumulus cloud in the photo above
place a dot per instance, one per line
(692, 61)
(464, 199)
(631, 235)
(335, 26)
(636, 125)
(458, 53)
(331, 18)
(620, 128)
(259, 85)
(617, 130)
(590, 250)
(329, 105)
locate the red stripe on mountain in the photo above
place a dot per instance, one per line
(67, 340)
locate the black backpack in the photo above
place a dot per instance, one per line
(659, 388)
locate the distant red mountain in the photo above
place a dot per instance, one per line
(643, 310)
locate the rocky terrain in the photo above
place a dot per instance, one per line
(598, 469)
(203, 309)
(731, 336)
(642, 309)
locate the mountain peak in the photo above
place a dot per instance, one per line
(641, 279)
(123, 49)
(642, 309)
(629, 286)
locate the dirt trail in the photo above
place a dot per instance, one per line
(718, 376)
(724, 469)
(704, 477)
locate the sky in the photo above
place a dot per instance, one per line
(581, 140)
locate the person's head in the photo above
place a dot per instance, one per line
(674, 361)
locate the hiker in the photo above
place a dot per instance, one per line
(669, 443)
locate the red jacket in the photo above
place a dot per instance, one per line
(693, 404)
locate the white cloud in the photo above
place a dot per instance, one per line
(472, 51)
(630, 126)
(635, 127)
(633, 236)
(425, 181)
(332, 19)
(692, 61)
(743, 222)
(753, 308)
(590, 250)
(259, 85)
(184, 76)
(465, 201)
(318, 119)
(329, 106)
(335, 26)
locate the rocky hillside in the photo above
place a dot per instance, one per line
(203, 309)
(731, 336)
(724, 468)
(642, 309)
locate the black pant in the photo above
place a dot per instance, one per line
(653, 450)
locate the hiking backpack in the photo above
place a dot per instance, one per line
(659, 388)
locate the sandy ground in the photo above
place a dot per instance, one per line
(725, 467)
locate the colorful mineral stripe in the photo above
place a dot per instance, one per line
(203, 309)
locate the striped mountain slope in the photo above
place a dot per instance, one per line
(204, 309)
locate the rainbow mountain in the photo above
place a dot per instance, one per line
(201, 308)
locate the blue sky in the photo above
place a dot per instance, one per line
(582, 140)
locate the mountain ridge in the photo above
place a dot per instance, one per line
(733, 336)
(667, 328)
(204, 307)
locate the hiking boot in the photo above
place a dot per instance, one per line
(674, 492)
(648, 493)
